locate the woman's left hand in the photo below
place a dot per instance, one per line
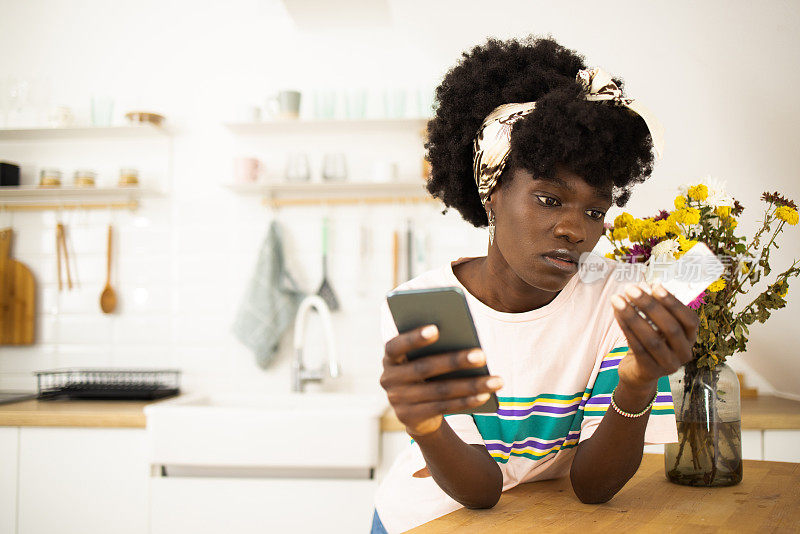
(653, 354)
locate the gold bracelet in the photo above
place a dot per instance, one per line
(628, 414)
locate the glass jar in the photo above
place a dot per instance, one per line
(50, 178)
(128, 177)
(85, 178)
(708, 413)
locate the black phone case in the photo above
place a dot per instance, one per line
(446, 307)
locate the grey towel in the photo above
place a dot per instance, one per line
(270, 303)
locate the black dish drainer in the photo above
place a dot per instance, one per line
(108, 384)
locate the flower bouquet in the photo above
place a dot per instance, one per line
(706, 391)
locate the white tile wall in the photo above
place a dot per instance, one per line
(181, 265)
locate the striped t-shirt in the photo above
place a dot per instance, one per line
(559, 366)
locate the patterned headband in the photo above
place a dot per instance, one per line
(493, 141)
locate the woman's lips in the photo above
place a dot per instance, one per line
(563, 265)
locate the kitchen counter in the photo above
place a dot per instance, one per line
(765, 501)
(67, 413)
(761, 413)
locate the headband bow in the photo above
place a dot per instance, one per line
(492, 143)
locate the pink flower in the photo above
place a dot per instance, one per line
(662, 215)
(640, 253)
(696, 303)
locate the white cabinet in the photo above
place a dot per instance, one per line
(211, 505)
(782, 445)
(79, 480)
(9, 450)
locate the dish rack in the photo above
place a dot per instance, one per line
(108, 384)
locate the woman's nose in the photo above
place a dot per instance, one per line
(571, 226)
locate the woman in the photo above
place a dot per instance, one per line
(529, 141)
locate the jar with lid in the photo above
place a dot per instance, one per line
(85, 178)
(128, 177)
(50, 178)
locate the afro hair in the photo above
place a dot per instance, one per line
(604, 143)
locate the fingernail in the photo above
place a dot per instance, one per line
(659, 290)
(476, 356)
(430, 331)
(633, 292)
(618, 302)
(495, 382)
(483, 397)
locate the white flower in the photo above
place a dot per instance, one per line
(717, 195)
(668, 247)
(658, 265)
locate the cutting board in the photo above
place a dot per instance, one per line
(17, 297)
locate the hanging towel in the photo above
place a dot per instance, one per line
(270, 303)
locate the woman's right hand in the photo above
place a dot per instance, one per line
(420, 405)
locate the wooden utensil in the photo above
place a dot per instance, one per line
(395, 258)
(17, 297)
(108, 299)
(61, 250)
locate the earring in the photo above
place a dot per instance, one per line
(491, 227)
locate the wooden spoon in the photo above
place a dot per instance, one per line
(108, 299)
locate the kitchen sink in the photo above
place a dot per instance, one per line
(294, 434)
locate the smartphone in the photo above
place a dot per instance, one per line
(446, 307)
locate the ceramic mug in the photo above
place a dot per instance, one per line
(285, 104)
(246, 170)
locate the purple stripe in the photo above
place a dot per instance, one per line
(610, 363)
(540, 409)
(534, 443)
(662, 397)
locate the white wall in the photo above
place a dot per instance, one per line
(719, 75)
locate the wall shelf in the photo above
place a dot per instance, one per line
(32, 198)
(83, 132)
(327, 125)
(310, 193)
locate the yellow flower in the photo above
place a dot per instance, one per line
(784, 291)
(715, 357)
(733, 222)
(688, 215)
(611, 256)
(786, 213)
(672, 224)
(717, 285)
(634, 229)
(723, 211)
(649, 228)
(619, 234)
(624, 220)
(662, 227)
(698, 192)
(685, 244)
(680, 201)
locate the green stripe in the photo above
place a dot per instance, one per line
(531, 456)
(537, 397)
(618, 349)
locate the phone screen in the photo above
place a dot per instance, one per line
(447, 308)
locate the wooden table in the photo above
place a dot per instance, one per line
(767, 500)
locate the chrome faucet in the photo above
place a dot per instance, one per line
(301, 375)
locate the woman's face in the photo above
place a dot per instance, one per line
(537, 220)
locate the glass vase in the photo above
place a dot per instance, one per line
(708, 413)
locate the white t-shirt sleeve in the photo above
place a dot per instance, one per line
(661, 426)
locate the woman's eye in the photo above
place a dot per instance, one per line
(548, 201)
(596, 214)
